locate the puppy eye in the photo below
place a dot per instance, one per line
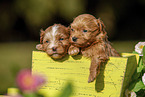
(85, 31)
(72, 29)
(47, 41)
(61, 39)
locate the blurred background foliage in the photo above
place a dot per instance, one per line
(21, 21)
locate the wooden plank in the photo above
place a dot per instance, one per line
(111, 82)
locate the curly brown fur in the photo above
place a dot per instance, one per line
(54, 41)
(89, 37)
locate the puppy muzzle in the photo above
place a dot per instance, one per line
(74, 39)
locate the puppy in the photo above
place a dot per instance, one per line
(54, 41)
(89, 37)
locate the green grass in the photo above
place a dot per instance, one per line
(13, 57)
(16, 56)
(124, 46)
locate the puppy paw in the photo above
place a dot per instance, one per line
(93, 75)
(73, 51)
(39, 47)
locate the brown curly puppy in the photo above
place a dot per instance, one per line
(89, 37)
(54, 41)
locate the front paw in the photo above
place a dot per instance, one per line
(93, 76)
(73, 51)
(94, 69)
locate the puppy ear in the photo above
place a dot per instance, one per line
(68, 30)
(100, 25)
(42, 33)
(39, 47)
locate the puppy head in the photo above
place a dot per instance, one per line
(85, 29)
(54, 41)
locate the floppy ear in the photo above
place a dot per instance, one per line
(68, 30)
(39, 47)
(101, 26)
(42, 33)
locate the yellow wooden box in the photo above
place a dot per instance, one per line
(111, 82)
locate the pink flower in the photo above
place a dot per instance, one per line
(130, 93)
(28, 82)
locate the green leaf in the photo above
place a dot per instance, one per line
(136, 75)
(134, 52)
(143, 55)
(143, 69)
(140, 66)
(137, 86)
(132, 85)
(143, 87)
(67, 91)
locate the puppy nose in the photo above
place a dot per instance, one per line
(54, 48)
(74, 39)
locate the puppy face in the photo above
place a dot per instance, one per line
(84, 30)
(54, 41)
